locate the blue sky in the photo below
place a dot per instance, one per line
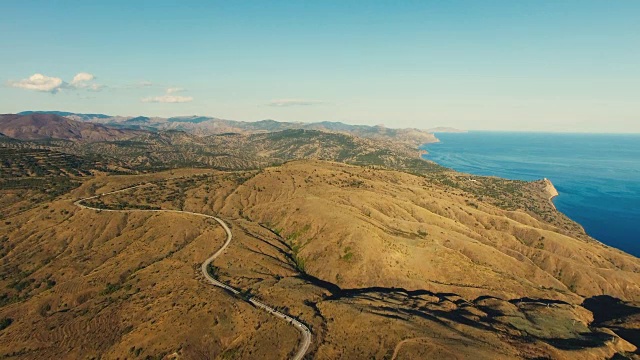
(495, 65)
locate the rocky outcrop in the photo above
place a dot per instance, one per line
(549, 188)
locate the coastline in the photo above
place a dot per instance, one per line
(551, 191)
(592, 198)
(548, 188)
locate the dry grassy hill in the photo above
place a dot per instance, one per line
(362, 227)
(379, 264)
(81, 284)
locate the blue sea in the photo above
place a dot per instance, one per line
(597, 175)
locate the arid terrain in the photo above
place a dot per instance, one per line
(380, 254)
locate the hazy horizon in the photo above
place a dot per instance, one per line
(544, 66)
(307, 122)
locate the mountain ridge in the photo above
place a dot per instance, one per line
(205, 125)
(37, 126)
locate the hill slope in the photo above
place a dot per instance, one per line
(345, 233)
(346, 249)
(50, 126)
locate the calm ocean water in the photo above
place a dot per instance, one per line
(597, 175)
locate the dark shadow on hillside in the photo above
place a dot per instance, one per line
(538, 301)
(613, 313)
(606, 308)
(386, 304)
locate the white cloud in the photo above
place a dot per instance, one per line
(293, 102)
(39, 82)
(167, 99)
(94, 87)
(82, 78)
(174, 90)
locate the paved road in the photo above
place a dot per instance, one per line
(303, 329)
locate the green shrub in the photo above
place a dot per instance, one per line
(110, 288)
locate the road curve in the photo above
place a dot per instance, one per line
(302, 328)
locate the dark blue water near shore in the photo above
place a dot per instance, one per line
(597, 175)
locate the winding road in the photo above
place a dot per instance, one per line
(303, 329)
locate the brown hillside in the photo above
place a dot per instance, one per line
(361, 227)
(47, 126)
(378, 264)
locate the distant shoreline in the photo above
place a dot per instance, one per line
(600, 182)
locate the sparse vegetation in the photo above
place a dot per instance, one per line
(110, 288)
(395, 251)
(5, 322)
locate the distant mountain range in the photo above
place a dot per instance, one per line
(133, 145)
(85, 117)
(203, 125)
(445, 129)
(38, 126)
